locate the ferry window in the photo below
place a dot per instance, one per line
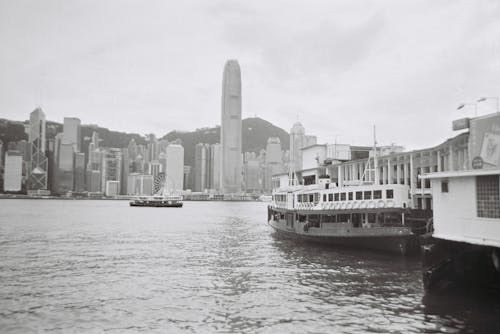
(330, 197)
(351, 194)
(316, 198)
(342, 196)
(324, 197)
(377, 194)
(389, 193)
(368, 195)
(488, 196)
(359, 195)
(311, 198)
(336, 197)
(444, 186)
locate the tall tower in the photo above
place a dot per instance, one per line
(297, 142)
(37, 176)
(230, 131)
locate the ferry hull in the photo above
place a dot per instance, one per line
(403, 245)
(157, 205)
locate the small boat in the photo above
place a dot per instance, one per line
(170, 201)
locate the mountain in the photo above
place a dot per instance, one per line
(13, 131)
(255, 132)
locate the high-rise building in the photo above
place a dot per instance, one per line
(13, 174)
(273, 161)
(139, 184)
(200, 167)
(38, 164)
(253, 179)
(111, 169)
(79, 175)
(231, 165)
(174, 173)
(125, 171)
(112, 188)
(215, 167)
(297, 142)
(72, 132)
(188, 178)
(65, 171)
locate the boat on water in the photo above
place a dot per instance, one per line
(164, 198)
(158, 201)
(361, 214)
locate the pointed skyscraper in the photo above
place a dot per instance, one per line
(231, 129)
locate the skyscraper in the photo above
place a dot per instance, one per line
(200, 167)
(174, 172)
(297, 142)
(13, 171)
(37, 170)
(71, 133)
(231, 128)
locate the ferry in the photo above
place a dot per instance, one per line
(162, 199)
(365, 215)
(158, 201)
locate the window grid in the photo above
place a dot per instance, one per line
(488, 196)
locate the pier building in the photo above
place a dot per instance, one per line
(345, 164)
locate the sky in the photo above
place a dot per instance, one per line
(339, 67)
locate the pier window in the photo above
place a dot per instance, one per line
(488, 196)
(359, 195)
(330, 197)
(351, 196)
(342, 196)
(377, 194)
(389, 193)
(444, 186)
(368, 195)
(336, 197)
(311, 198)
(324, 197)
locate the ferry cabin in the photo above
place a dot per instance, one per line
(361, 205)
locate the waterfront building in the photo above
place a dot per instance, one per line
(79, 175)
(112, 188)
(188, 178)
(215, 167)
(125, 171)
(155, 168)
(252, 173)
(152, 148)
(65, 170)
(111, 168)
(465, 189)
(38, 164)
(13, 171)
(273, 161)
(346, 164)
(200, 167)
(231, 165)
(174, 172)
(94, 181)
(139, 184)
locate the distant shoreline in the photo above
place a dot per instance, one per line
(21, 196)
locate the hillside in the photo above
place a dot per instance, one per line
(255, 132)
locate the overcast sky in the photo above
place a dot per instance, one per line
(339, 66)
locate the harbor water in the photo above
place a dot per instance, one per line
(209, 267)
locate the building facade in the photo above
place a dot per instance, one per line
(38, 164)
(231, 165)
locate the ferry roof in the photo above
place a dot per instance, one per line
(461, 173)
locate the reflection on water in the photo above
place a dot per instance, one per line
(88, 266)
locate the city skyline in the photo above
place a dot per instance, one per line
(386, 64)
